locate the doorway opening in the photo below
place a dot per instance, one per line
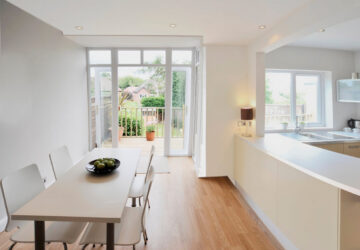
(133, 92)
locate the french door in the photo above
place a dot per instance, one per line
(133, 90)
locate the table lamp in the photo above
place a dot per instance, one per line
(247, 115)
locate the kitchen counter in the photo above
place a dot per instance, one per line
(324, 137)
(308, 197)
(336, 169)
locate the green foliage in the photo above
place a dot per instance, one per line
(153, 101)
(150, 128)
(156, 82)
(128, 81)
(178, 89)
(268, 95)
(130, 126)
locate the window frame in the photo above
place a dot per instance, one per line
(168, 65)
(320, 96)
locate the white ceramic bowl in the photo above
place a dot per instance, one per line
(356, 130)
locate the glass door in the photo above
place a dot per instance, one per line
(100, 98)
(180, 101)
(141, 97)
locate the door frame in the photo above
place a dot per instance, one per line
(168, 92)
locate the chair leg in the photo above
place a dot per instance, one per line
(83, 248)
(140, 201)
(133, 202)
(65, 246)
(133, 247)
(144, 238)
(12, 246)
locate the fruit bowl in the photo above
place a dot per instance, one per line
(102, 166)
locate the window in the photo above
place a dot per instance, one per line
(154, 56)
(294, 95)
(100, 57)
(129, 57)
(182, 57)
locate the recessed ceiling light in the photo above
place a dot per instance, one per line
(173, 25)
(322, 30)
(79, 27)
(262, 27)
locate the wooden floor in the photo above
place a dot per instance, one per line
(190, 213)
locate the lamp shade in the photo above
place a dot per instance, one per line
(247, 113)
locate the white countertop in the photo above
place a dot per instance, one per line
(336, 169)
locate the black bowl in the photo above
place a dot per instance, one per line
(106, 170)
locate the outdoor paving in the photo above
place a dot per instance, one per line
(128, 142)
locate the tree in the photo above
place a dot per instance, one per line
(156, 82)
(268, 95)
(128, 81)
(178, 89)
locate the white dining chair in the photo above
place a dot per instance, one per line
(60, 161)
(128, 231)
(18, 189)
(137, 187)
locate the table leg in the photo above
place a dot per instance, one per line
(110, 231)
(39, 235)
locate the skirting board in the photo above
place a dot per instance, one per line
(285, 242)
(3, 222)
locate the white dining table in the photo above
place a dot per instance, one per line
(82, 197)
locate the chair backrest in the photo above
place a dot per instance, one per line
(19, 188)
(60, 161)
(151, 156)
(147, 187)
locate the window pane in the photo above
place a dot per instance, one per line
(277, 99)
(154, 57)
(141, 100)
(307, 98)
(100, 57)
(101, 106)
(181, 56)
(129, 57)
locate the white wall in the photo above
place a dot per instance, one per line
(43, 93)
(340, 63)
(226, 91)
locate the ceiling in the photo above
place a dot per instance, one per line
(233, 22)
(343, 36)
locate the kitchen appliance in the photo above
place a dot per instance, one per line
(352, 123)
(357, 124)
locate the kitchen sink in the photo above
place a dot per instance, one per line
(317, 136)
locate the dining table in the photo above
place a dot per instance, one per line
(80, 196)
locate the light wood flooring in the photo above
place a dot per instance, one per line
(188, 213)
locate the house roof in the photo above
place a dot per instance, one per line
(135, 90)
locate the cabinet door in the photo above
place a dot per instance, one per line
(352, 149)
(335, 147)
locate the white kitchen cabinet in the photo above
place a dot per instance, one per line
(348, 90)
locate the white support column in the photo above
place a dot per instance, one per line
(260, 93)
(168, 91)
(114, 98)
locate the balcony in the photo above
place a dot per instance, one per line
(134, 121)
